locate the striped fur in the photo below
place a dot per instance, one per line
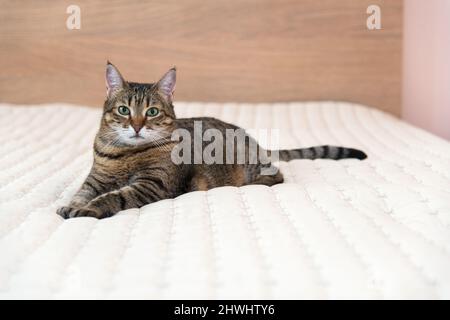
(322, 152)
(132, 171)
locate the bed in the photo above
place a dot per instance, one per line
(378, 228)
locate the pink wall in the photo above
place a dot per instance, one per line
(426, 65)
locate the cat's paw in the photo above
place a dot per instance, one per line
(72, 212)
(65, 211)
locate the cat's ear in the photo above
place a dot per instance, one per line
(166, 85)
(114, 80)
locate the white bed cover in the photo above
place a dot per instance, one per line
(379, 228)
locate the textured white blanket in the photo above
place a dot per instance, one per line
(379, 228)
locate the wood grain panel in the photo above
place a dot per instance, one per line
(246, 51)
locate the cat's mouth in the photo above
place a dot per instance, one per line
(137, 137)
(136, 140)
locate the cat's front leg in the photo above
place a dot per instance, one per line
(133, 196)
(94, 185)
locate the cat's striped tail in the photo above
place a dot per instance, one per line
(321, 152)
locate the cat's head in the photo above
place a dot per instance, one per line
(137, 113)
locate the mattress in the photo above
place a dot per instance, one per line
(373, 229)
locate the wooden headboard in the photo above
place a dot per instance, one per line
(224, 50)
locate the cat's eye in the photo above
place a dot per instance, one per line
(125, 111)
(152, 112)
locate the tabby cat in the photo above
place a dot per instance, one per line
(132, 152)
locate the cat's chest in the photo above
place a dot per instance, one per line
(126, 169)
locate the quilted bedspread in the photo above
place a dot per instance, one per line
(378, 228)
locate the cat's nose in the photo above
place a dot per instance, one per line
(136, 127)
